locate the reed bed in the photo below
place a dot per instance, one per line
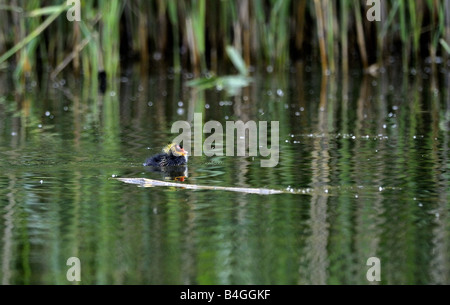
(192, 35)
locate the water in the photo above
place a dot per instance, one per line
(372, 154)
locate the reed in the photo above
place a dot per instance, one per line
(321, 35)
(360, 34)
(447, 27)
(345, 11)
(173, 16)
(192, 35)
(438, 24)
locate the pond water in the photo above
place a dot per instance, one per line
(372, 154)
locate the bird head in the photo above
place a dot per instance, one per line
(175, 150)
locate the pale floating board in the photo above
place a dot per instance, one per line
(143, 182)
(321, 191)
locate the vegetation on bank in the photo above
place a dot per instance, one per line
(194, 34)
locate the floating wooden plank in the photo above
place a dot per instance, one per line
(143, 182)
(325, 190)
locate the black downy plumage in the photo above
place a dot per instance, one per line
(171, 155)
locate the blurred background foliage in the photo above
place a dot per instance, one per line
(193, 35)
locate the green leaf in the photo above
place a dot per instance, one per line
(237, 81)
(237, 60)
(445, 45)
(203, 83)
(45, 11)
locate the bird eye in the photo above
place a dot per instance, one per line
(180, 146)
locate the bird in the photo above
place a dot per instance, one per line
(171, 155)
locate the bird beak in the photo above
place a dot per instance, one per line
(185, 153)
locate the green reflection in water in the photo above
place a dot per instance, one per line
(379, 146)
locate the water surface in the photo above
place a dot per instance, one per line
(373, 151)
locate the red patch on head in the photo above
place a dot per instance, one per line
(179, 148)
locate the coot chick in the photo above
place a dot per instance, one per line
(171, 155)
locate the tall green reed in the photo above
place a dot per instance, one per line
(193, 34)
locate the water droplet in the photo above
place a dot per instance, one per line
(269, 69)
(41, 182)
(384, 126)
(157, 56)
(380, 189)
(297, 114)
(150, 104)
(207, 106)
(112, 93)
(39, 125)
(180, 104)
(280, 93)
(356, 196)
(66, 108)
(13, 133)
(180, 111)
(47, 113)
(113, 175)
